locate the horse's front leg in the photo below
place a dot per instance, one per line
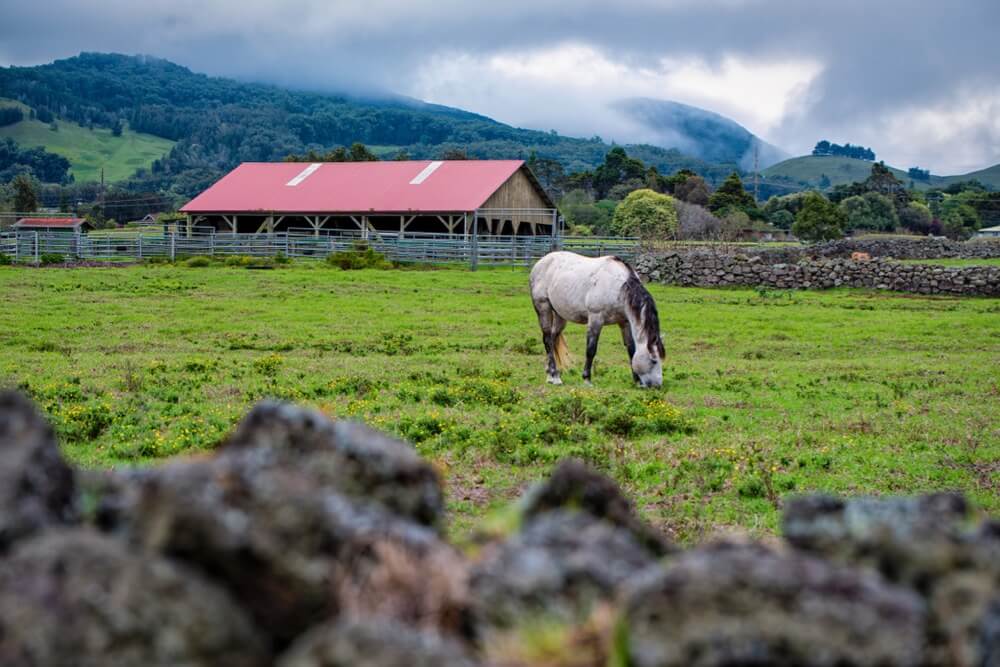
(593, 335)
(630, 347)
(545, 321)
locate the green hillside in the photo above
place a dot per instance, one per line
(809, 171)
(90, 150)
(989, 176)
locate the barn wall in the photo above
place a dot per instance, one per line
(517, 192)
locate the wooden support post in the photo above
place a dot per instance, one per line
(404, 223)
(475, 241)
(189, 224)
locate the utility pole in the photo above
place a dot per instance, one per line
(101, 196)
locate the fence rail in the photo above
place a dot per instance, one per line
(138, 245)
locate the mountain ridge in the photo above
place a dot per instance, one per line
(700, 132)
(218, 123)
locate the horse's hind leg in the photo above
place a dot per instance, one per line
(630, 346)
(546, 318)
(593, 336)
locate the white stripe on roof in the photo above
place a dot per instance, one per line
(428, 170)
(304, 174)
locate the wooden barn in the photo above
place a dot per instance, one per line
(454, 198)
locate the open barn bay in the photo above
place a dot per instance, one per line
(765, 393)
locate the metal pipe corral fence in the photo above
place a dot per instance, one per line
(144, 245)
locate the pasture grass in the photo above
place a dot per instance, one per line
(767, 393)
(88, 151)
(953, 261)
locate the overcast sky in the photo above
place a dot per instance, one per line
(919, 82)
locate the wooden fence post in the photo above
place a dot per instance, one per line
(475, 240)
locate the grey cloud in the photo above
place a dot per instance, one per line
(878, 57)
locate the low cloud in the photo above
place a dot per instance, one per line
(916, 84)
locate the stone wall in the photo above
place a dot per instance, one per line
(712, 269)
(877, 247)
(904, 248)
(308, 543)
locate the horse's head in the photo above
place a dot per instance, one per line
(647, 363)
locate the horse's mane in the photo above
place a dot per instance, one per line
(640, 303)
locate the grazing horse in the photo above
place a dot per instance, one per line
(566, 287)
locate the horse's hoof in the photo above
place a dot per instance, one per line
(588, 383)
(553, 380)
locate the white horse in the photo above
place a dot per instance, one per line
(566, 287)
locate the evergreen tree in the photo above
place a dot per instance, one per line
(360, 153)
(731, 195)
(25, 197)
(819, 219)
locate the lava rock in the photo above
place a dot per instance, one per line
(277, 538)
(575, 485)
(747, 605)
(346, 456)
(907, 539)
(36, 486)
(76, 597)
(559, 565)
(373, 643)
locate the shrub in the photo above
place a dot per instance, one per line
(819, 219)
(6, 260)
(84, 422)
(239, 260)
(268, 365)
(647, 214)
(695, 222)
(282, 258)
(52, 258)
(362, 256)
(916, 217)
(353, 385)
(198, 262)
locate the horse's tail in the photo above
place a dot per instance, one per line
(561, 352)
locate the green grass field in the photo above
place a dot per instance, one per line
(988, 261)
(766, 393)
(90, 150)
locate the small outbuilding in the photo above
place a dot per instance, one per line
(447, 197)
(52, 225)
(989, 233)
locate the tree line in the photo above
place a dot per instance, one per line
(824, 147)
(36, 163)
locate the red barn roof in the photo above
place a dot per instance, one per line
(356, 187)
(50, 223)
